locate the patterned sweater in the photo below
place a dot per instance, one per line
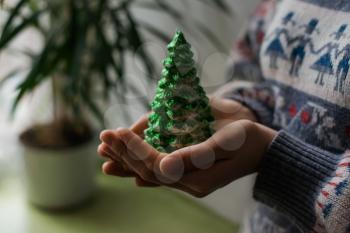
(298, 54)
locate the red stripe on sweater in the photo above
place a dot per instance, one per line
(339, 174)
(332, 183)
(324, 193)
(320, 204)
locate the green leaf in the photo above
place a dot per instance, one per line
(222, 6)
(14, 13)
(93, 107)
(42, 66)
(9, 76)
(118, 44)
(219, 4)
(167, 9)
(75, 45)
(136, 42)
(65, 48)
(12, 32)
(33, 5)
(155, 32)
(108, 50)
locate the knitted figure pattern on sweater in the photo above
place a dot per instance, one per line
(298, 54)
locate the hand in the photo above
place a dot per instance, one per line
(224, 111)
(235, 150)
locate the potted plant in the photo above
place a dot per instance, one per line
(83, 57)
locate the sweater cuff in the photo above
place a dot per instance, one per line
(290, 177)
(263, 113)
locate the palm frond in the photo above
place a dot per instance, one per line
(136, 43)
(13, 14)
(42, 66)
(80, 45)
(155, 32)
(11, 32)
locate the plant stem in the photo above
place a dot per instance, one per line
(54, 99)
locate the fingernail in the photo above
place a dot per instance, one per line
(106, 138)
(104, 165)
(99, 148)
(172, 167)
(103, 133)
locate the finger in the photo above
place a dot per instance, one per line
(221, 146)
(139, 126)
(113, 141)
(145, 160)
(105, 151)
(110, 151)
(149, 175)
(116, 169)
(138, 149)
(201, 156)
(132, 151)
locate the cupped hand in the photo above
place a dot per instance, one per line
(235, 150)
(224, 111)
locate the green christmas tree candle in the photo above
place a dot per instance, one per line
(181, 115)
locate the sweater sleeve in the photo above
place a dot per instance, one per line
(310, 185)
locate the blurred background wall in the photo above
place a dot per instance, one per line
(231, 201)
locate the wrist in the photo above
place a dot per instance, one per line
(257, 141)
(265, 136)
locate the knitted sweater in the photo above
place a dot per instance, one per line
(298, 52)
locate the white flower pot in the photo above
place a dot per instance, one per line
(60, 179)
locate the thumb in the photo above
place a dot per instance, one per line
(200, 156)
(140, 125)
(222, 145)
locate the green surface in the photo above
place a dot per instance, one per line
(118, 207)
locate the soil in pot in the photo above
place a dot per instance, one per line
(62, 134)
